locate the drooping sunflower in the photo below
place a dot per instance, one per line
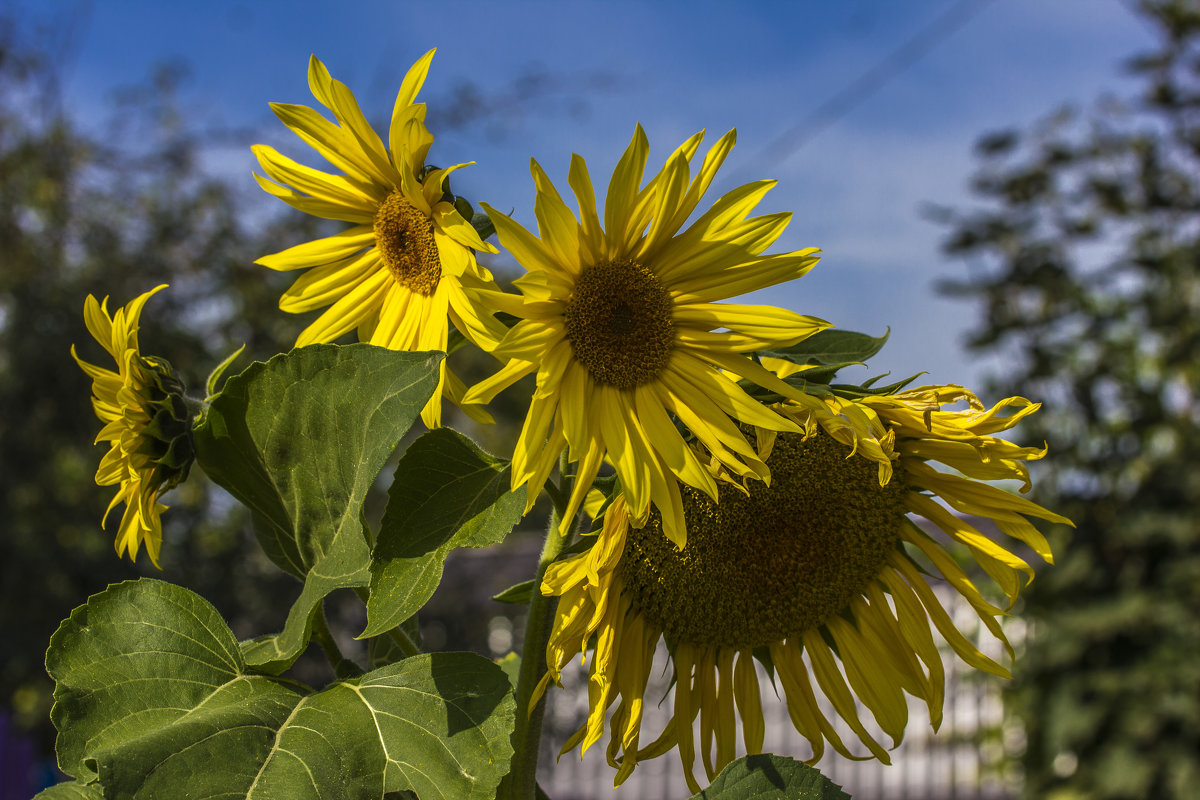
(146, 422)
(407, 267)
(824, 575)
(619, 322)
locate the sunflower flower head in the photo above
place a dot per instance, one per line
(146, 423)
(619, 320)
(406, 269)
(825, 575)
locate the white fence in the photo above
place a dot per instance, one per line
(959, 762)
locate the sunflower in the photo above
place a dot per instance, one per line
(146, 421)
(823, 576)
(619, 323)
(408, 263)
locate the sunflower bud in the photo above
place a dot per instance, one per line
(146, 423)
(168, 435)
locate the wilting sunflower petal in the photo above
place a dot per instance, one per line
(818, 570)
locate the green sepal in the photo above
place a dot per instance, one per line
(463, 207)
(177, 461)
(519, 594)
(771, 777)
(167, 437)
(867, 388)
(482, 224)
(580, 545)
(210, 385)
(166, 380)
(610, 487)
(447, 493)
(762, 655)
(455, 340)
(153, 700)
(300, 440)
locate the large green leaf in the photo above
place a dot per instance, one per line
(144, 660)
(153, 700)
(447, 493)
(300, 439)
(771, 777)
(437, 724)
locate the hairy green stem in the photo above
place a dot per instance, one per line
(521, 782)
(402, 640)
(342, 667)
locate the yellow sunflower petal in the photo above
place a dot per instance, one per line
(331, 141)
(315, 206)
(360, 302)
(320, 185)
(322, 286)
(740, 278)
(523, 245)
(322, 251)
(414, 79)
(590, 233)
(623, 191)
(340, 100)
(557, 225)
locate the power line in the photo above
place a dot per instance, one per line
(853, 94)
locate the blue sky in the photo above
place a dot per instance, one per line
(855, 185)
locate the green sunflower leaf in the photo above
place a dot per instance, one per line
(832, 347)
(145, 662)
(71, 791)
(517, 594)
(511, 664)
(153, 700)
(300, 439)
(447, 493)
(771, 777)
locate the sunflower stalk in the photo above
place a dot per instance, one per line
(342, 667)
(521, 781)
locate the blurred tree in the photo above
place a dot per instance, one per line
(1086, 267)
(111, 212)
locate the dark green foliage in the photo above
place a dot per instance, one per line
(770, 777)
(446, 494)
(1088, 282)
(289, 440)
(153, 699)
